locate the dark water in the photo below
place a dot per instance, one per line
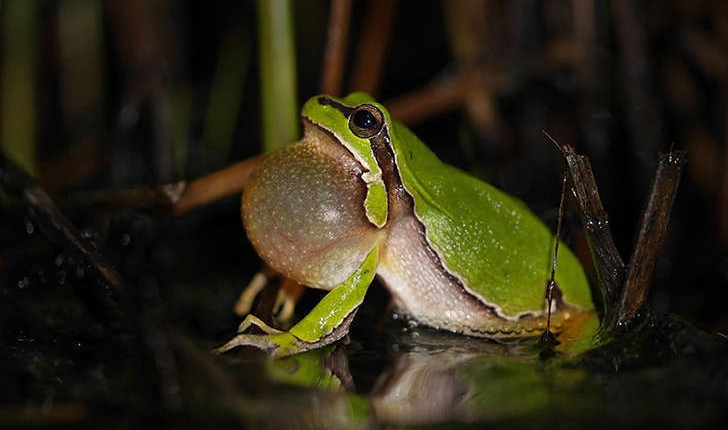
(73, 356)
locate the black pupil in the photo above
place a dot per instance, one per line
(364, 119)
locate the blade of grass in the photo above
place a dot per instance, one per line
(277, 73)
(19, 23)
(82, 88)
(226, 92)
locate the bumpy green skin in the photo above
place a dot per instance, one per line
(490, 240)
(495, 244)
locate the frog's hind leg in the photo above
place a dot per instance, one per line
(288, 295)
(263, 342)
(245, 301)
(252, 320)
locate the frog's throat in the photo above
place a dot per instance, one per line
(375, 202)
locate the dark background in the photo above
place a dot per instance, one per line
(120, 94)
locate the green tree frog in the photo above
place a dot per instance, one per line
(361, 195)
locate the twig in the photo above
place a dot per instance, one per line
(215, 186)
(339, 22)
(373, 46)
(552, 278)
(607, 261)
(622, 301)
(176, 198)
(140, 198)
(56, 226)
(444, 94)
(652, 231)
(548, 341)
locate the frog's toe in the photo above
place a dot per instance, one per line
(245, 302)
(285, 308)
(263, 342)
(274, 345)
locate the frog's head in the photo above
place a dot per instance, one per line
(353, 121)
(313, 210)
(355, 117)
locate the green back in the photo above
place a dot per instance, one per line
(488, 238)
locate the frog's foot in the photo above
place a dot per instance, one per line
(279, 344)
(274, 342)
(325, 324)
(285, 307)
(275, 345)
(252, 320)
(288, 295)
(245, 301)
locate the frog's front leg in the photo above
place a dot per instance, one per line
(327, 322)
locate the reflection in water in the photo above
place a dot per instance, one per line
(430, 386)
(436, 377)
(661, 373)
(422, 388)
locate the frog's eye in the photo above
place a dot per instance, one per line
(366, 121)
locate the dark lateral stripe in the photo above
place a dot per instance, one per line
(346, 110)
(384, 154)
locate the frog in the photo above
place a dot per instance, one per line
(359, 196)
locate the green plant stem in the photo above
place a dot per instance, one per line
(277, 73)
(20, 31)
